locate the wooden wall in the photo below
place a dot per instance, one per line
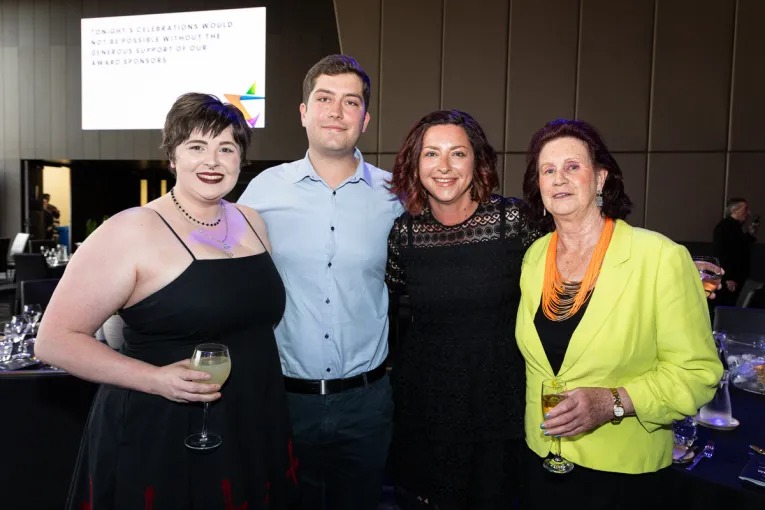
(675, 86)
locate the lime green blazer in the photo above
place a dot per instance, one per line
(646, 328)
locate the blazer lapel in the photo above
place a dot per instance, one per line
(613, 279)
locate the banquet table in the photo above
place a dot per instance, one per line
(43, 416)
(714, 482)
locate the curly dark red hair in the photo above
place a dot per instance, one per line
(406, 180)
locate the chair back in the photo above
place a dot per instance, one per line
(37, 292)
(30, 266)
(112, 332)
(738, 320)
(5, 244)
(18, 244)
(747, 291)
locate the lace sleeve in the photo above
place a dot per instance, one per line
(518, 221)
(395, 276)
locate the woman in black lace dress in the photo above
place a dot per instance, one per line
(458, 377)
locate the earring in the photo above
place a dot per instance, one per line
(599, 198)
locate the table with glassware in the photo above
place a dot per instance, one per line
(44, 414)
(727, 435)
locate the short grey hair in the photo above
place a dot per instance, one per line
(732, 204)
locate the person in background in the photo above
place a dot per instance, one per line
(732, 241)
(328, 216)
(616, 312)
(176, 270)
(458, 376)
(52, 209)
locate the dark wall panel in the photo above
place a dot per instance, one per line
(746, 178)
(475, 62)
(684, 194)
(614, 76)
(543, 60)
(692, 72)
(747, 131)
(410, 82)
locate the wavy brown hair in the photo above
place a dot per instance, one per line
(406, 180)
(616, 203)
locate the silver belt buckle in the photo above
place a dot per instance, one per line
(323, 387)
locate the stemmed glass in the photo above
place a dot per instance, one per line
(33, 312)
(215, 360)
(552, 395)
(709, 270)
(18, 327)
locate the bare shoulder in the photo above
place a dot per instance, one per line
(257, 223)
(252, 216)
(123, 232)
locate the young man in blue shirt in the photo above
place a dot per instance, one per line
(328, 217)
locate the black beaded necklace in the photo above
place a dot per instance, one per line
(190, 217)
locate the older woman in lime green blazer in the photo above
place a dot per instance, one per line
(618, 313)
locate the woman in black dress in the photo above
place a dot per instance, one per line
(458, 377)
(187, 268)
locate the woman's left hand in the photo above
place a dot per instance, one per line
(584, 409)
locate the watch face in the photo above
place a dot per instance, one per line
(618, 411)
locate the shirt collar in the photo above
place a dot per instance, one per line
(306, 169)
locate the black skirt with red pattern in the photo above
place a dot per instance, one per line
(133, 454)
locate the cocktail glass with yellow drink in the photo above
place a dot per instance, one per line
(215, 360)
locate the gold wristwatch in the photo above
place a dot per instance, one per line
(618, 407)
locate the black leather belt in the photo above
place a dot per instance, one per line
(327, 386)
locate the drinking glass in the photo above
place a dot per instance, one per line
(552, 395)
(33, 313)
(684, 431)
(215, 360)
(709, 270)
(18, 328)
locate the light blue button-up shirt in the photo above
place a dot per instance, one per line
(330, 247)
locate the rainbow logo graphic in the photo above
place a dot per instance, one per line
(248, 102)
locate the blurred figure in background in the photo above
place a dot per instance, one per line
(732, 239)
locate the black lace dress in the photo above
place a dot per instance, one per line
(458, 376)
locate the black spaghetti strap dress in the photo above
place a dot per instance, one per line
(133, 455)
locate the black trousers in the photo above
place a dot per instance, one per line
(342, 441)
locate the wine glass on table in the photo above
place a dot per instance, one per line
(710, 272)
(216, 361)
(552, 395)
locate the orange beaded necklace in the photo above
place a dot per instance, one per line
(562, 299)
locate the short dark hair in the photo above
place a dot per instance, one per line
(616, 203)
(406, 178)
(333, 65)
(207, 114)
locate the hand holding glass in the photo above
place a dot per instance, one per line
(710, 272)
(552, 390)
(215, 360)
